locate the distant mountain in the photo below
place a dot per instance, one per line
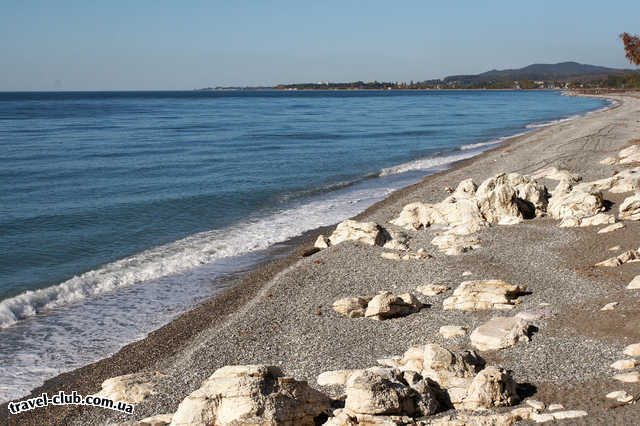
(561, 71)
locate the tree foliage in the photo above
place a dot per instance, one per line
(631, 47)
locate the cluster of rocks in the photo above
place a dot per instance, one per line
(252, 394)
(621, 259)
(503, 199)
(425, 380)
(628, 155)
(404, 390)
(622, 396)
(382, 306)
(483, 295)
(628, 364)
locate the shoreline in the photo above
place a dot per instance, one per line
(184, 329)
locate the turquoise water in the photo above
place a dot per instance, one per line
(118, 210)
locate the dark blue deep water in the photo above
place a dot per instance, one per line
(117, 206)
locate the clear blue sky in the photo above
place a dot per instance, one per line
(144, 44)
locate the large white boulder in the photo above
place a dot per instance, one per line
(130, 388)
(251, 394)
(350, 230)
(630, 154)
(382, 306)
(499, 333)
(633, 350)
(385, 305)
(352, 307)
(598, 219)
(630, 208)
(386, 391)
(492, 387)
(454, 245)
(497, 199)
(483, 295)
(573, 203)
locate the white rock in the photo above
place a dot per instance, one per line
(431, 289)
(335, 377)
(467, 273)
(626, 181)
(555, 407)
(632, 350)
(611, 228)
(614, 248)
(352, 307)
(630, 154)
(624, 364)
(449, 331)
(386, 305)
(497, 198)
(321, 242)
(251, 394)
(492, 387)
(453, 371)
(630, 208)
(350, 230)
(627, 256)
(598, 219)
(570, 414)
(578, 204)
(538, 405)
(130, 388)
(499, 333)
(609, 306)
(632, 377)
(483, 295)
(503, 199)
(620, 396)
(454, 245)
(634, 284)
(389, 391)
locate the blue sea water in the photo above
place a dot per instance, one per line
(119, 210)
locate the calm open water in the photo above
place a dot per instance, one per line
(118, 210)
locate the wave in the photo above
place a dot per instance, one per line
(191, 252)
(426, 163)
(431, 162)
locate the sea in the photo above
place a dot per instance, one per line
(121, 210)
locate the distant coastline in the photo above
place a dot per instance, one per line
(560, 76)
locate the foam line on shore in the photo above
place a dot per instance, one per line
(193, 251)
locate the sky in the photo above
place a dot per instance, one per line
(175, 45)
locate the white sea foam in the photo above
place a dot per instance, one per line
(427, 163)
(190, 252)
(489, 143)
(552, 122)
